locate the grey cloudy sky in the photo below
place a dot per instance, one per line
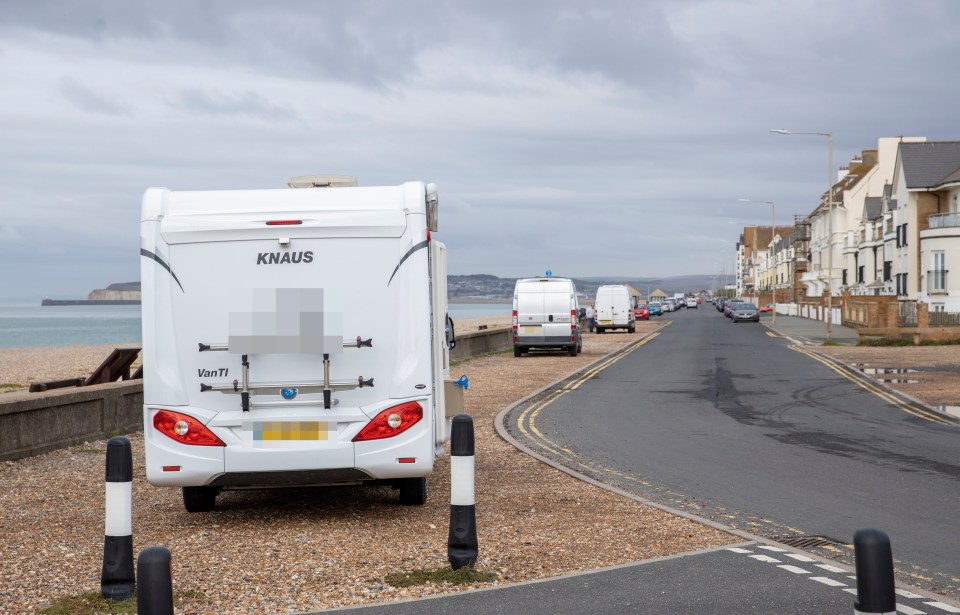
(590, 138)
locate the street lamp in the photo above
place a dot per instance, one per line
(773, 231)
(829, 136)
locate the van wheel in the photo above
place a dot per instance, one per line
(632, 329)
(413, 491)
(572, 351)
(599, 330)
(516, 351)
(200, 499)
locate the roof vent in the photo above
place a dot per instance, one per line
(323, 181)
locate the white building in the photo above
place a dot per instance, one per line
(926, 224)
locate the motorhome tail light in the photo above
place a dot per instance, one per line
(573, 320)
(184, 429)
(283, 222)
(515, 321)
(392, 421)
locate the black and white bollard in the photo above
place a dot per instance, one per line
(154, 568)
(117, 580)
(874, 563)
(462, 541)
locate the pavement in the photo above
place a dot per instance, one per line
(809, 331)
(756, 576)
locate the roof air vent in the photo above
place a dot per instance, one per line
(323, 181)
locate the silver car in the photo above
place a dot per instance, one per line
(744, 311)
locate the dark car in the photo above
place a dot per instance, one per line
(743, 311)
(642, 312)
(728, 305)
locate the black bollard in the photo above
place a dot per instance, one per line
(117, 580)
(874, 563)
(462, 541)
(155, 570)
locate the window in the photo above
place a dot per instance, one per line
(844, 281)
(939, 277)
(887, 271)
(860, 272)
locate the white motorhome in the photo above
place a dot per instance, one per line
(614, 308)
(294, 337)
(546, 315)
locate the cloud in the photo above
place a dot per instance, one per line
(213, 102)
(589, 138)
(90, 101)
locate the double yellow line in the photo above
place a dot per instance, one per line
(862, 382)
(527, 421)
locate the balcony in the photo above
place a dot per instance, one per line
(944, 220)
(937, 282)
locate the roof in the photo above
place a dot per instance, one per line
(930, 164)
(762, 235)
(872, 206)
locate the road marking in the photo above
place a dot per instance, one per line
(830, 568)
(772, 334)
(739, 550)
(909, 610)
(906, 594)
(914, 410)
(769, 548)
(828, 581)
(794, 569)
(766, 558)
(850, 590)
(944, 606)
(797, 556)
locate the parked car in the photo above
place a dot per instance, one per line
(766, 308)
(692, 302)
(744, 311)
(655, 308)
(642, 312)
(669, 305)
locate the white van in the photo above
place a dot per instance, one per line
(546, 315)
(294, 337)
(614, 308)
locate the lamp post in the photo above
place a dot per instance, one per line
(829, 136)
(773, 258)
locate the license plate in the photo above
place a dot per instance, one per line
(530, 329)
(606, 322)
(266, 431)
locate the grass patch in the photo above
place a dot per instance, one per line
(832, 343)
(11, 386)
(92, 603)
(92, 451)
(886, 341)
(439, 575)
(89, 603)
(947, 342)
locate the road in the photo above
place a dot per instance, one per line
(732, 423)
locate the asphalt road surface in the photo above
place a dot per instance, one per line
(733, 423)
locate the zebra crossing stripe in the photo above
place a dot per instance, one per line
(794, 569)
(828, 581)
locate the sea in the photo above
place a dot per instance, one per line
(29, 326)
